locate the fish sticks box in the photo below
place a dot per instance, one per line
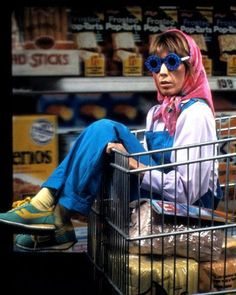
(35, 152)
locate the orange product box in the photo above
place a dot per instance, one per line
(35, 152)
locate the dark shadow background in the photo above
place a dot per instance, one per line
(36, 273)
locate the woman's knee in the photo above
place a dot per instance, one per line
(105, 123)
(110, 126)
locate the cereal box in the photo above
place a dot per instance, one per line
(35, 152)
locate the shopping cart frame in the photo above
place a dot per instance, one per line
(109, 222)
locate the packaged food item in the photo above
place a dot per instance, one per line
(35, 152)
(125, 108)
(219, 275)
(152, 275)
(226, 126)
(146, 219)
(157, 19)
(60, 105)
(90, 107)
(16, 34)
(46, 28)
(46, 44)
(87, 28)
(198, 23)
(123, 29)
(224, 30)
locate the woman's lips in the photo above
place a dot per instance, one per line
(165, 84)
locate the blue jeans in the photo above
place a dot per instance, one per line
(78, 177)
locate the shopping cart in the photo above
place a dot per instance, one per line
(151, 246)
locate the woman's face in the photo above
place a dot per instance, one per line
(169, 83)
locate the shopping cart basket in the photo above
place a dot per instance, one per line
(151, 246)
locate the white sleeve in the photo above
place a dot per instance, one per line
(187, 182)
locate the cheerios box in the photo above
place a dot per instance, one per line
(35, 152)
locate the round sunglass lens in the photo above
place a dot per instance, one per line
(172, 61)
(153, 63)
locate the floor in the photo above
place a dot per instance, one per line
(48, 273)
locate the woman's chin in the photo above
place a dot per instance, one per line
(167, 93)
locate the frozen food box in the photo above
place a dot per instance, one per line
(42, 44)
(87, 28)
(60, 105)
(125, 108)
(224, 30)
(157, 19)
(46, 28)
(123, 29)
(35, 152)
(90, 107)
(199, 24)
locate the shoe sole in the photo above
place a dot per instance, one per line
(21, 227)
(61, 247)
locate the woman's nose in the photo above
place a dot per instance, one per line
(163, 69)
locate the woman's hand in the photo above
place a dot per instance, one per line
(133, 164)
(115, 145)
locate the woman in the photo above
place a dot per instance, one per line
(184, 115)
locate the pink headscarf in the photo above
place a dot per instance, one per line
(194, 87)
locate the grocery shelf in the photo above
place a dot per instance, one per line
(47, 85)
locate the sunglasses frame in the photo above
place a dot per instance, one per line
(159, 61)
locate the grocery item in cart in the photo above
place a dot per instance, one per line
(180, 238)
(150, 275)
(219, 275)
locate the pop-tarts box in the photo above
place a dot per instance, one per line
(35, 152)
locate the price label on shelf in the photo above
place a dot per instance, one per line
(225, 83)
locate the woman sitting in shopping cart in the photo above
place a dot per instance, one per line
(183, 115)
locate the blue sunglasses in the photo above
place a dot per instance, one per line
(171, 61)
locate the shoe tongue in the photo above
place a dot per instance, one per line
(20, 203)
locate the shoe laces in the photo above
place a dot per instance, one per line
(21, 202)
(39, 239)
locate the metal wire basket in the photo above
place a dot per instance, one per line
(158, 247)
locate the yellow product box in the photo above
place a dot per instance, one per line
(94, 65)
(207, 63)
(231, 65)
(35, 152)
(132, 65)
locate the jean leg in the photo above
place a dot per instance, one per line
(78, 177)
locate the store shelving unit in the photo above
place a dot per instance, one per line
(47, 85)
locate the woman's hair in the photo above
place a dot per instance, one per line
(173, 42)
